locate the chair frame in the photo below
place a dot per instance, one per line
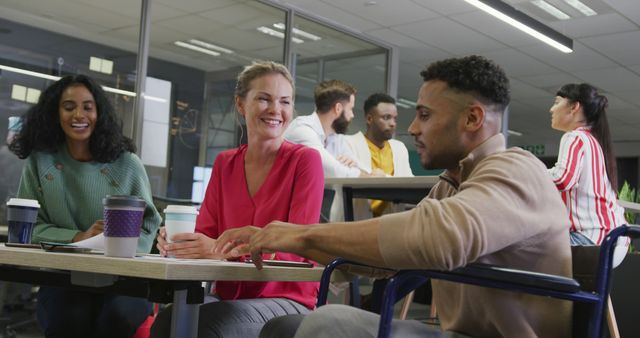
(508, 279)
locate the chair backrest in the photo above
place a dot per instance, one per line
(327, 200)
(592, 267)
(585, 270)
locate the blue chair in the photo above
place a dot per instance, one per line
(589, 295)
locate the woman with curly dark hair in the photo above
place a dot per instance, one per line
(76, 155)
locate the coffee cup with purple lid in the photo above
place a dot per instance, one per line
(123, 216)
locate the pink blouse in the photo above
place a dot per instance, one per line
(292, 192)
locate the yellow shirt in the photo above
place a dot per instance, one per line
(381, 158)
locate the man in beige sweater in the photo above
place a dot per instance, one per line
(502, 209)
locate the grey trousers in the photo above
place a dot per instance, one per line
(234, 318)
(335, 321)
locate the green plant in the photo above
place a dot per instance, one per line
(628, 194)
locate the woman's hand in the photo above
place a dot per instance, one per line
(162, 241)
(189, 245)
(95, 229)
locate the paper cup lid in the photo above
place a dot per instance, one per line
(23, 202)
(181, 209)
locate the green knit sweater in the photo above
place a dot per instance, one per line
(70, 193)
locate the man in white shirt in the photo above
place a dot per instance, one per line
(323, 130)
(375, 149)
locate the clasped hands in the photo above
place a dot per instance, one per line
(237, 242)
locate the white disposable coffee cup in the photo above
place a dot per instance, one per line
(179, 219)
(21, 216)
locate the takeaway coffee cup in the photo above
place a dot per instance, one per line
(21, 216)
(122, 222)
(179, 219)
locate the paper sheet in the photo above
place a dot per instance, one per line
(96, 242)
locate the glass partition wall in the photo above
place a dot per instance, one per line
(195, 51)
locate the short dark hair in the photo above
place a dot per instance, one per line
(475, 75)
(328, 93)
(41, 130)
(374, 99)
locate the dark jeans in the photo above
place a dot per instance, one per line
(68, 313)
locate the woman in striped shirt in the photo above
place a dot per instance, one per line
(585, 173)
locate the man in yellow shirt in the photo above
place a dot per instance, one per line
(377, 149)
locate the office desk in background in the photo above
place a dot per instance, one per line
(394, 189)
(155, 278)
(630, 206)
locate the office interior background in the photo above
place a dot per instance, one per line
(186, 54)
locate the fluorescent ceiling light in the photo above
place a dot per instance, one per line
(56, 78)
(97, 64)
(18, 92)
(107, 66)
(32, 95)
(94, 63)
(277, 34)
(402, 105)
(524, 23)
(196, 48)
(298, 32)
(210, 46)
(406, 102)
(513, 132)
(547, 7)
(28, 72)
(584, 9)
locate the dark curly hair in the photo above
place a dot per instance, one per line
(475, 75)
(594, 106)
(374, 99)
(41, 130)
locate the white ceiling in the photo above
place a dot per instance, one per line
(606, 46)
(606, 53)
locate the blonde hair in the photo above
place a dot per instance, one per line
(258, 69)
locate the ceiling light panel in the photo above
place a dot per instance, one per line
(584, 9)
(554, 11)
(196, 48)
(277, 34)
(211, 46)
(298, 32)
(525, 23)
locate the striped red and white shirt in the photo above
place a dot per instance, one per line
(581, 177)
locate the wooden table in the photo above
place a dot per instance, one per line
(155, 278)
(394, 189)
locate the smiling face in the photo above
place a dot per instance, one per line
(78, 114)
(438, 126)
(267, 106)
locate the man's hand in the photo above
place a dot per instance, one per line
(348, 161)
(374, 173)
(277, 236)
(234, 242)
(377, 172)
(95, 229)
